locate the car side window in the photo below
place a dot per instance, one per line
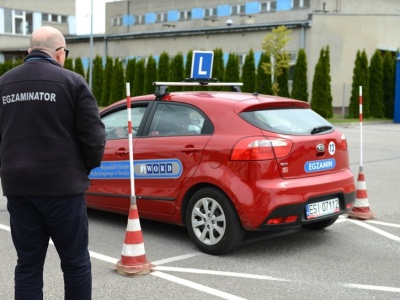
(172, 119)
(116, 123)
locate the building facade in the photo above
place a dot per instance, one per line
(143, 28)
(138, 29)
(18, 18)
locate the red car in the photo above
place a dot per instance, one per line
(222, 163)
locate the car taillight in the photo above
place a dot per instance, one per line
(261, 148)
(343, 142)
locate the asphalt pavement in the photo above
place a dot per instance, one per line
(352, 259)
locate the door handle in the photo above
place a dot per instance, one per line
(190, 150)
(121, 152)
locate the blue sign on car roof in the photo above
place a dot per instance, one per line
(202, 62)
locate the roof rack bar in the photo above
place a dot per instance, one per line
(200, 80)
(162, 86)
(160, 83)
(161, 91)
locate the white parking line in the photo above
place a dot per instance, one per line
(376, 230)
(175, 258)
(383, 223)
(156, 272)
(102, 257)
(372, 287)
(219, 273)
(4, 227)
(196, 286)
(157, 269)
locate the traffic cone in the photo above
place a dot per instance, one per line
(360, 208)
(133, 258)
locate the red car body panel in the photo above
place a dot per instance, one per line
(256, 188)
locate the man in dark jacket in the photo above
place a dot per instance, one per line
(51, 136)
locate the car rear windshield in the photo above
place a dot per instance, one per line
(295, 121)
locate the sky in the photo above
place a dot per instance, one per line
(83, 16)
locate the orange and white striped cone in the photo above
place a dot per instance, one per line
(133, 258)
(361, 208)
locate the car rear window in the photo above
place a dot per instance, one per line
(295, 121)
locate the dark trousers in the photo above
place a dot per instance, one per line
(34, 220)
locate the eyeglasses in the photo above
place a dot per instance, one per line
(65, 50)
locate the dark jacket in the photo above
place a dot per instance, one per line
(51, 134)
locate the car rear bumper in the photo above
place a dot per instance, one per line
(346, 202)
(273, 198)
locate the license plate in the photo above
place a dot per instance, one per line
(323, 208)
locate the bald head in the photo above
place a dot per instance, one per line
(50, 40)
(47, 38)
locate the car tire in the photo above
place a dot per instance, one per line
(321, 224)
(212, 222)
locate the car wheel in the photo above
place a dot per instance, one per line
(321, 224)
(212, 222)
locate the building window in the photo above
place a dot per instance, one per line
(54, 18)
(161, 17)
(238, 9)
(268, 6)
(296, 4)
(210, 12)
(185, 15)
(116, 21)
(28, 23)
(242, 59)
(139, 19)
(292, 57)
(17, 21)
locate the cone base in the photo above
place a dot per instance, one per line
(361, 215)
(137, 270)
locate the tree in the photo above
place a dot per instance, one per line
(188, 65)
(218, 67)
(188, 69)
(321, 99)
(283, 83)
(360, 78)
(327, 74)
(177, 71)
(263, 80)
(354, 99)
(79, 67)
(274, 46)
(138, 83)
(130, 72)
(108, 72)
(376, 108)
(150, 76)
(7, 66)
(364, 82)
(388, 84)
(249, 73)
(232, 69)
(118, 86)
(69, 64)
(300, 84)
(18, 62)
(97, 84)
(163, 67)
